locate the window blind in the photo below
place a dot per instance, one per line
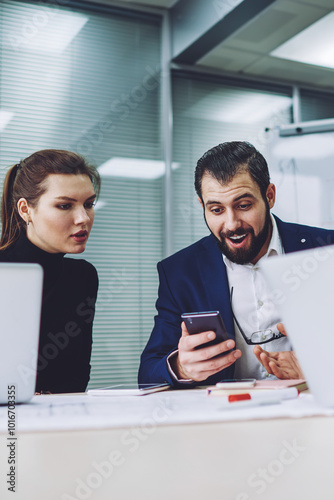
(89, 82)
(316, 105)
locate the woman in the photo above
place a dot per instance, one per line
(48, 210)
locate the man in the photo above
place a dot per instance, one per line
(220, 272)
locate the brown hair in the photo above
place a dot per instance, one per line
(228, 159)
(27, 180)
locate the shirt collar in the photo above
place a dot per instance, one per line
(275, 246)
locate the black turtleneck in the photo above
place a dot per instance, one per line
(69, 295)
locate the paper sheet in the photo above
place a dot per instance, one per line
(75, 412)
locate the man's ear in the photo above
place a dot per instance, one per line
(200, 200)
(271, 195)
(23, 209)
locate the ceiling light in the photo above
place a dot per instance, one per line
(314, 45)
(134, 168)
(46, 30)
(99, 205)
(238, 106)
(5, 118)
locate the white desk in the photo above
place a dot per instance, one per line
(271, 459)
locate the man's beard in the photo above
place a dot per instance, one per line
(245, 255)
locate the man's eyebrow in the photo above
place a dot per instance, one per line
(67, 198)
(212, 202)
(245, 195)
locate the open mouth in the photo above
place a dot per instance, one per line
(80, 236)
(238, 239)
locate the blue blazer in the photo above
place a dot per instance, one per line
(195, 279)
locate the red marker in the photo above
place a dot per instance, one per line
(262, 396)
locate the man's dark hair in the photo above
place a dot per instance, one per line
(228, 159)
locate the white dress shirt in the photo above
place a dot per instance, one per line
(254, 309)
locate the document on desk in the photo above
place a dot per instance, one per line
(192, 406)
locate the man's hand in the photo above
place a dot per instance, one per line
(283, 365)
(198, 364)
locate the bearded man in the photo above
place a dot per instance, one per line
(221, 273)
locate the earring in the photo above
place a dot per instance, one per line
(27, 222)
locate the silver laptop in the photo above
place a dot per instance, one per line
(302, 287)
(20, 311)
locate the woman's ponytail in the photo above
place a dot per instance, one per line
(10, 219)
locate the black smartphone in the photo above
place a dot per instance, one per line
(197, 322)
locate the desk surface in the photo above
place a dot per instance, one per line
(150, 457)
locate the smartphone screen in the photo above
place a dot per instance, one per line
(197, 322)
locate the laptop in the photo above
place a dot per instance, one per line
(21, 288)
(302, 287)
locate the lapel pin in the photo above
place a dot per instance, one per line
(303, 240)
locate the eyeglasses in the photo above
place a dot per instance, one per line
(259, 337)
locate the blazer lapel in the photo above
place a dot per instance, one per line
(294, 236)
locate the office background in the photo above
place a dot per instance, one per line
(95, 78)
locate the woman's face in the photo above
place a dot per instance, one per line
(64, 215)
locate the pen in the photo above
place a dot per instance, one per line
(260, 398)
(236, 405)
(263, 395)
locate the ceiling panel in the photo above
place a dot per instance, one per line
(151, 3)
(280, 69)
(248, 50)
(229, 59)
(274, 26)
(328, 4)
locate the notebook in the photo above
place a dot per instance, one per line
(302, 287)
(20, 310)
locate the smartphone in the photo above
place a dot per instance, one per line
(197, 322)
(236, 383)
